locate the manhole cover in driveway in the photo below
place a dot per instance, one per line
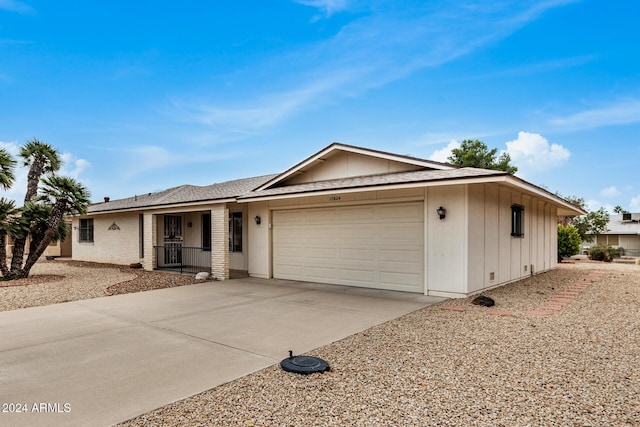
(304, 364)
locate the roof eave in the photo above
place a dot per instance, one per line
(564, 208)
(373, 187)
(164, 206)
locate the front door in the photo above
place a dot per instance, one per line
(172, 240)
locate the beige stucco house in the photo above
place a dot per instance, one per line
(346, 215)
(623, 232)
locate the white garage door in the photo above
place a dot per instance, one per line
(378, 246)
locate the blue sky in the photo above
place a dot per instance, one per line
(143, 96)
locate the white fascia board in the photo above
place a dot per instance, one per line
(530, 188)
(173, 206)
(395, 158)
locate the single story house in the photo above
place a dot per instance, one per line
(623, 232)
(346, 215)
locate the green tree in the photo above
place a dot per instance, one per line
(476, 154)
(61, 196)
(6, 169)
(41, 158)
(589, 226)
(41, 219)
(568, 241)
(618, 210)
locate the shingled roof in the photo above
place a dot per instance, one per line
(184, 194)
(274, 186)
(374, 181)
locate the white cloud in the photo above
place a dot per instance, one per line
(532, 154)
(370, 51)
(594, 205)
(634, 205)
(610, 192)
(442, 155)
(621, 113)
(328, 6)
(19, 187)
(73, 167)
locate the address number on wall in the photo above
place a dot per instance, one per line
(334, 198)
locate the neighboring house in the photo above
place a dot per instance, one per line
(623, 232)
(55, 249)
(346, 215)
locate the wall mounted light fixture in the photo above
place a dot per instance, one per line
(442, 212)
(258, 220)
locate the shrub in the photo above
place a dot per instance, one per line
(568, 241)
(603, 253)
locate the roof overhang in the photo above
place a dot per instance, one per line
(175, 206)
(564, 208)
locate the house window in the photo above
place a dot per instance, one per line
(235, 232)
(517, 221)
(206, 232)
(86, 230)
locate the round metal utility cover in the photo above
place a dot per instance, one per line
(304, 364)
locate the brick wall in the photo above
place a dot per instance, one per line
(220, 242)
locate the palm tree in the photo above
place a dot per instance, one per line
(41, 158)
(66, 196)
(8, 215)
(6, 169)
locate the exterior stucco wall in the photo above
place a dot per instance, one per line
(115, 245)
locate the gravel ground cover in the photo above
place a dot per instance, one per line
(575, 365)
(53, 282)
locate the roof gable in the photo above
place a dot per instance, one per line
(338, 161)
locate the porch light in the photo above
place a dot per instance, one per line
(258, 220)
(442, 212)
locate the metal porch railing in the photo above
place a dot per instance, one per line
(183, 258)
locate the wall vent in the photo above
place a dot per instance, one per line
(492, 276)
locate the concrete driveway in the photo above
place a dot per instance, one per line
(105, 360)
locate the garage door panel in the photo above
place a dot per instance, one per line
(353, 254)
(321, 274)
(357, 215)
(321, 253)
(411, 255)
(400, 281)
(377, 246)
(403, 211)
(319, 217)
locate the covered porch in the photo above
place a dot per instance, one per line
(209, 239)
